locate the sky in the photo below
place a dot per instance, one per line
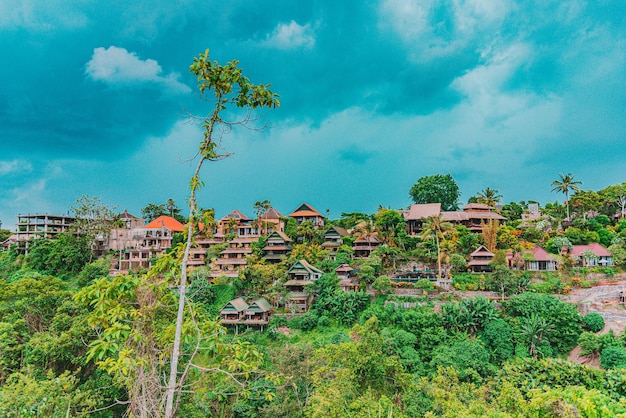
(95, 99)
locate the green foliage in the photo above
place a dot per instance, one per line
(498, 338)
(561, 318)
(64, 256)
(613, 357)
(201, 291)
(469, 315)
(23, 395)
(437, 188)
(556, 244)
(382, 285)
(593, 322)
(94, 270)
(468, 356)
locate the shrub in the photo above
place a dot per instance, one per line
(613, 357)
(323, 321)
(424, 284)
(593, 322)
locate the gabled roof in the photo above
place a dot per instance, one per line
(271, 214)
(342, 232)
(540, 254)
(279, 234)
(164, 221)
(305, 210)
(344, 268)
(482, 251)
(594, 247)
(422, 210)
(237, 305)
(260, 305)
(369, 238)
(477, 206)
(235, 214)
(127, 215)
(304, 265)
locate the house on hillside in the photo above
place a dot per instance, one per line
(150, 241)
(233, 313)
(306, 212)
(347, 275)
(271, 221)
(300, 275)
(235, 222)
(333, 239)
(473, 216)
(480, 260)
(534, 259)
(414, 217)
(233, 258)
(591, 255)
(365, 244)
(40, 226)
(277, 247)
(257, 314)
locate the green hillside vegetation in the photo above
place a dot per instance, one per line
(76, 340)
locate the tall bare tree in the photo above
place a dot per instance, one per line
(226, 86)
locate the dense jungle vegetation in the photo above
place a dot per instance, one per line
(76, 341)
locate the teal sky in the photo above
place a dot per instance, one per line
(500, 94)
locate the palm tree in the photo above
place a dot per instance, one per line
(533, 330)
(434, 227)
(564, 185)
(489, 197)
(261, 208)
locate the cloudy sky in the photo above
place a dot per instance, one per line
(501, 94)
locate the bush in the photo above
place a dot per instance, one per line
(593, 322)
(613, 357)
(323, 321)
(308, 321)
(424, 284)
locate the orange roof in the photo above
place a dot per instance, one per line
(306, 210)
(306, 213)
(165, 222)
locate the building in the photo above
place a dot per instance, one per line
(591, 255)
(306, 212)
(473, 216)
(480, 260)
(238, 312)
(277, 247)
(300, 275)
(40, 226)
(333, 239)
(233, 313)
(365, 244)
(233, 258)
(534, 259)
(149, 242)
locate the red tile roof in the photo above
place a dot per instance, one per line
(594, 247)
(168, 222)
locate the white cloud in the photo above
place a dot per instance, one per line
(116, 65)
(15, 166)
(409, 19)
(475, 15)
(41, 15)
(291, 36)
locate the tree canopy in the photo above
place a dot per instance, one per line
(437, 188)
